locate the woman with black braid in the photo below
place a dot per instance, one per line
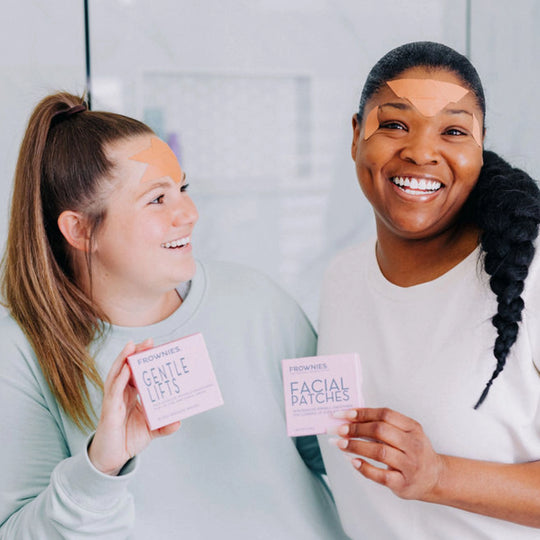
(444, 309)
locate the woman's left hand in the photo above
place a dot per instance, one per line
(413, 468)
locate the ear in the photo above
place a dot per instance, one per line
(356, 135)
(75, 229)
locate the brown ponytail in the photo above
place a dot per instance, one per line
(62, 165)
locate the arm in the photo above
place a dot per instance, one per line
(413, 470)
(46, 493)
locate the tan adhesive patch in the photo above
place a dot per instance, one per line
(372, 123)
(427, 95)
(476, 132)
(161, 162)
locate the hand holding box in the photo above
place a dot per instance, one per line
(175, 380)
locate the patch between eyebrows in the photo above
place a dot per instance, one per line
(161, 162)
(427, 95)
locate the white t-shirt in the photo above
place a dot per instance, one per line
(426, 352)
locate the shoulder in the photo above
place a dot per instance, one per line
(19, 366)
(354, 255)
(246, 299)
(12, 337)
(242, 289)
(242, 282)
(348, 265)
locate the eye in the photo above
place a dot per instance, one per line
(392, 125)
(455, 132)
(184, 187)
(158, 200)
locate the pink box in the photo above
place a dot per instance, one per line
(175, 380)
(317, 386)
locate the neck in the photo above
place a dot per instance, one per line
(407, 262)
(126, 308)
(139, 311)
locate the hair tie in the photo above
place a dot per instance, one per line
(60, 116)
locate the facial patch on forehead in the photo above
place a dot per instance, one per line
(427, 95)
(161, 162)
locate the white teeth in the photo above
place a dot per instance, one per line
(177, 243)
(415, 185)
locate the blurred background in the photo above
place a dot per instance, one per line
(256, 98)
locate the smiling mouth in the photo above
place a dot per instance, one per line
(181, 242)
(415, 186)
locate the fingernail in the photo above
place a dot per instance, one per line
(346, 415)
(340, 443)
(338, 430)
(356, 463)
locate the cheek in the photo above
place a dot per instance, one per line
(370, 162)
(469, 165)
(370, 155)
(148, 225)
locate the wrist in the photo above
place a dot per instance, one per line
(93, 457)
(436, 493)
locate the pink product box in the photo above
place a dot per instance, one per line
(175, 380)
(317, 386)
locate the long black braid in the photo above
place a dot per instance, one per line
(505, 205)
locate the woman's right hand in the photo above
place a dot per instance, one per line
(122, 431)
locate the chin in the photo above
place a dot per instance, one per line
(187, 272)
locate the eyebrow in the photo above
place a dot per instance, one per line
(457, 111)
(155, 185)
(160, 185)
(402, 106)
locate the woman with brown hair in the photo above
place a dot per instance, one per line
(99, 258)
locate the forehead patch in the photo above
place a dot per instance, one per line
(161, 162)
(427, 95)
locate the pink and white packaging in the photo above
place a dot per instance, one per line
(317, 386)
(175, 380)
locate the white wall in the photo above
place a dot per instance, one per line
(259, 96)
(41, 51)
(506, 51)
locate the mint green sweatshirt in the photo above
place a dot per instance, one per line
(230, 472)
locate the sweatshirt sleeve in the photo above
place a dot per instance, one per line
(45, 492)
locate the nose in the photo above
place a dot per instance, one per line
(420, 148)
(185, 211)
